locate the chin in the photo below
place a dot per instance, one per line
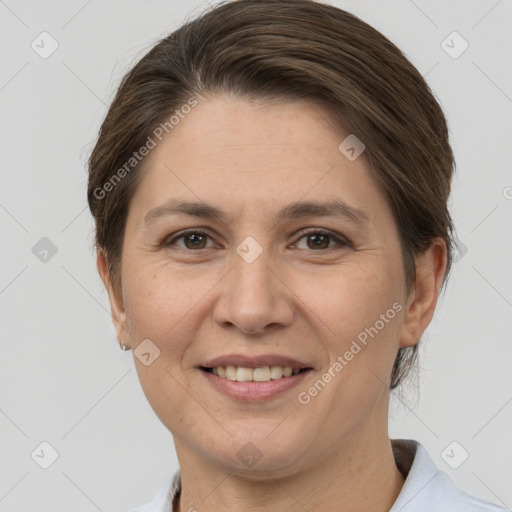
(256, 452)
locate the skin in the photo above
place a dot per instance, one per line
(295, 299)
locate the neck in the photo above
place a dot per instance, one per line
(362, 476)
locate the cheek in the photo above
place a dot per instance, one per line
(362, 311)
(359, 320)
(155, 303)
(352, 298)
(158, 308)
(169, 306)
(153, 287)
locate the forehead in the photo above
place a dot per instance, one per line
(247, 135)
(243, 155)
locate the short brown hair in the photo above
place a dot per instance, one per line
(291, 50)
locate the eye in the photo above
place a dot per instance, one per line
(193, 239)
(320, 239)
(196, 240)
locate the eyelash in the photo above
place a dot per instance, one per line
(340, 241)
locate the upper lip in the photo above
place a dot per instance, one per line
(255, 361)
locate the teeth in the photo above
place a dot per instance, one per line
(276, 372)
(263, 374)
(230, 372)
(243, 374)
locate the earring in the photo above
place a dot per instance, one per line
(123, 346)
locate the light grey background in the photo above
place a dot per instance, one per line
(64, 380)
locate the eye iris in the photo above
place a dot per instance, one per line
(197, 237)
(318, 239)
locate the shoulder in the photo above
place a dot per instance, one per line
(427, 489)
(450, 498)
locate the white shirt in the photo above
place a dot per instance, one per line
(426, 489)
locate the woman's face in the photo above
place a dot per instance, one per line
(252, 290)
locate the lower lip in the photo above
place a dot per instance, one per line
(254, 391)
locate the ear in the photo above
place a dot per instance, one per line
(116, 299)
(421, 303)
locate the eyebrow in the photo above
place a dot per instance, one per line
(336, 208)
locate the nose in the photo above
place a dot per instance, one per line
(254, 297)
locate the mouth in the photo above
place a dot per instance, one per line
(253, 379)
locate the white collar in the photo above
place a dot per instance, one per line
(426, 489)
